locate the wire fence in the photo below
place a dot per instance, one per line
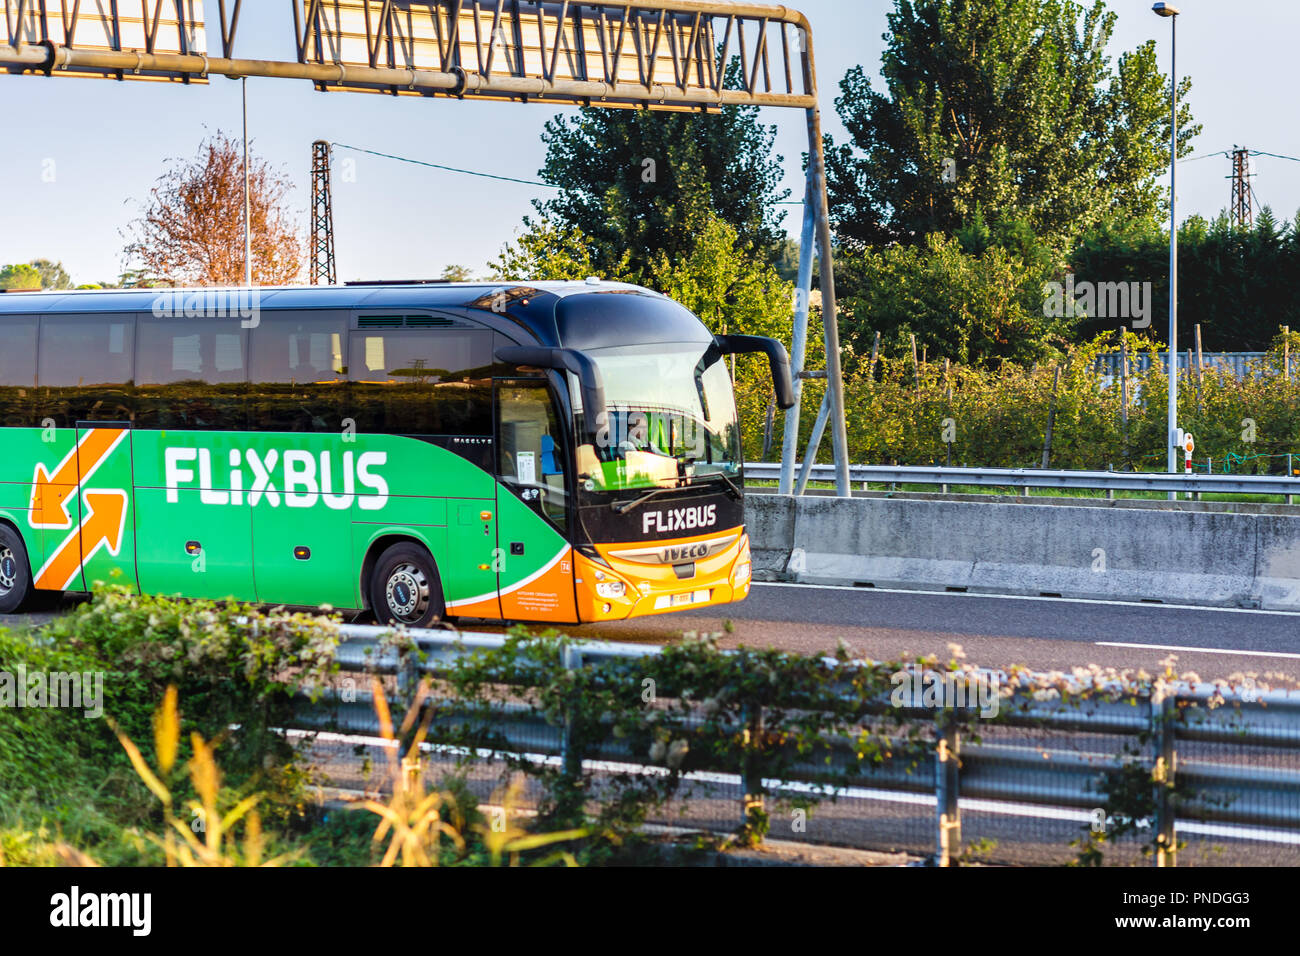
(1240, 364)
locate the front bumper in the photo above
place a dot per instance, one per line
(721, 578)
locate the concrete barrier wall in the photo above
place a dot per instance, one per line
(1178, 557)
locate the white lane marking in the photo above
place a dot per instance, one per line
(973, 804)
(1196, 650)
(1025, 597)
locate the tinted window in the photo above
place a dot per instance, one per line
(84, 371)
(408, 382)
(298, 372)
(594, 320)
(530, 453)
(17, 370)
(191, 373)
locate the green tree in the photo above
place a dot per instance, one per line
(1236, 283)
(546, 251)
(20, 276)
(1009, 106)
(978, 309)
(134, 279)
(717, 277)
(726, 287)
(634, 181)
(455, 273)
(53, 275)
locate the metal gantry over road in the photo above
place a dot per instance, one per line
(647, 54)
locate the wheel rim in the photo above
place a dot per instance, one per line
(407, 593)
(8, 570)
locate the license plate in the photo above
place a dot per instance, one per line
(667, 601)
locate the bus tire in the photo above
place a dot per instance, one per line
(405, 588)
(16, 585)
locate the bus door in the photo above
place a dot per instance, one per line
(84, 507)
(534, 561)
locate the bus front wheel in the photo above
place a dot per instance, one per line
(15, 571)
(405, 588)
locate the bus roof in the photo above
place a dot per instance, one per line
(411, 295)
(590, 314)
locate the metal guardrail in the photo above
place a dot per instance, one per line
(1036, 478)
(1261, 730)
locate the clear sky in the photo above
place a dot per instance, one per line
(103, 143)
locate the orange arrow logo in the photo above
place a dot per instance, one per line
(104, 526)
(50, 492)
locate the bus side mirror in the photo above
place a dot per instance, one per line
(565, 360)
(777, 357)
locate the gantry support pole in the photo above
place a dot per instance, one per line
(799, 341)
(826, 273)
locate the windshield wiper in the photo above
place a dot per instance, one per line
(732, 488)
(623, 507)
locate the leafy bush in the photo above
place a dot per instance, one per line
(62, 773)
(232, 663)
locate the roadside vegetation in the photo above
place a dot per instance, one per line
(901, 411)
(184, 765)
(180, 761)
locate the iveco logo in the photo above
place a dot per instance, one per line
(678, 553)
(679, 519)
(682, 553)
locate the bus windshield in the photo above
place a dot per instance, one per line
(671, 418)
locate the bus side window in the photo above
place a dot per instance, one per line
(422, 382)
(17, 372)
(298, 372)
(191, 374)
(85, 368)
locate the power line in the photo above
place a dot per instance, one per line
(1242, 204)
(449, 169)
(1260, 152)
(1228, 153)
(474, 172)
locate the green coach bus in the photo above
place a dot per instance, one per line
(561, 452)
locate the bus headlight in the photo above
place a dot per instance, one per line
(611, 589)
(742, 572)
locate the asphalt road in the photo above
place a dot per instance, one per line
(993, 630)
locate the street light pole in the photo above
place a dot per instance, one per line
(248, 238)
(1172, 12)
